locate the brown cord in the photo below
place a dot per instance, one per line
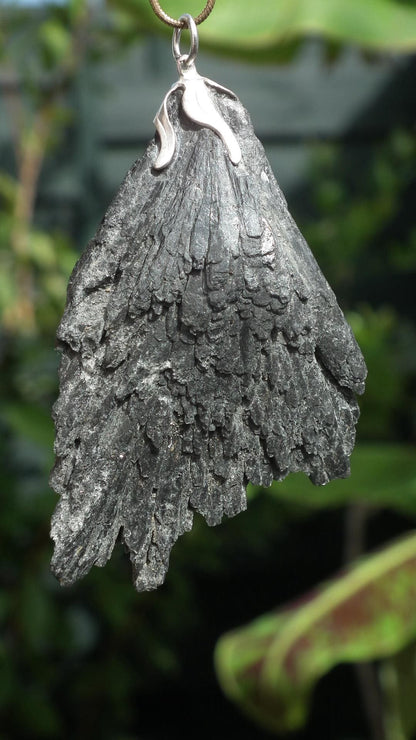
(181, 24)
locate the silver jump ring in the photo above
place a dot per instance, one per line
(186, 59)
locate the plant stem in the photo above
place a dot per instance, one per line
(393, 727)
(32, 149)
(355, 531)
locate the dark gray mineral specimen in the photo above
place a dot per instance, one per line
(202, 348)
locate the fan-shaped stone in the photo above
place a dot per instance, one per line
(202, 348)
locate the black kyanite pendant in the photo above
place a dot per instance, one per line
(202, 348)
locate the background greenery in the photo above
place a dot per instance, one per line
(99, 660)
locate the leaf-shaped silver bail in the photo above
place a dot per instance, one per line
(197, 103)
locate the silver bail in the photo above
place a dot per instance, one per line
(185, 60)
(196, 102)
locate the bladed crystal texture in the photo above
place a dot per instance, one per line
(202, 348)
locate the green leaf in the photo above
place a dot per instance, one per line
(8, 188)
(244, 27)
(42, 250)
(381, 475)
(270, 667)
(55, 41)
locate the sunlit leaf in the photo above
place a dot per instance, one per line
(381, 475)
(271, 666)
(246, 27)
(55, 41)
(42, 249)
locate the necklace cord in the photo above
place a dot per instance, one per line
(180, 23)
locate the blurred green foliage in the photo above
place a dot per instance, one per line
(381, 475)
(358, 198)
(273, 34)
(83, 662)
